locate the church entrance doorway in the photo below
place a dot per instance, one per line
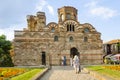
(73, 52)
(43, 58)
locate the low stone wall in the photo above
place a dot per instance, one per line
(39, 75)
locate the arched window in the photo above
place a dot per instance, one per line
(85, 39)
(62, 17)
(71, 39)
(73, 28)
(56, 38)
(68, 16)
(67, 27)
(53, 29)
(86, 30)
(70, 27)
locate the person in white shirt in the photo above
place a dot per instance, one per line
(76, 63)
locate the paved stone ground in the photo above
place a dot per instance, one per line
(66, 73)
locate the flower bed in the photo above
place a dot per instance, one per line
(113, 67)
(10, 72)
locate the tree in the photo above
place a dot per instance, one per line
(5, 58)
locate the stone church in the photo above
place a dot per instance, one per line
(45, 44)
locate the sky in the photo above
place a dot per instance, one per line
(104, 15)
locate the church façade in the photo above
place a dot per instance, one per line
(42, 43)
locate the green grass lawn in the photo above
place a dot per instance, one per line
(28, 75)
(115, 74)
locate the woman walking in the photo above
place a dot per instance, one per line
(76, 64)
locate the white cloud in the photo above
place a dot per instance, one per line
(50, 8)
(9, 32)
(42, 4)
(91, 4)
(101, 11)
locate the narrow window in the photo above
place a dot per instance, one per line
(56, 38)
(62, 17)
(70, 27)
(67, 27)
(85, 39)
(73, 27)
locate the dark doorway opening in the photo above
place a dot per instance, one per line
(108, 49)
(43, 58)
(73, 52)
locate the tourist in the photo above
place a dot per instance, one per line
(76, 64)
(62, 60)
(71, 62)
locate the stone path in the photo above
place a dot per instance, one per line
(66, 73)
